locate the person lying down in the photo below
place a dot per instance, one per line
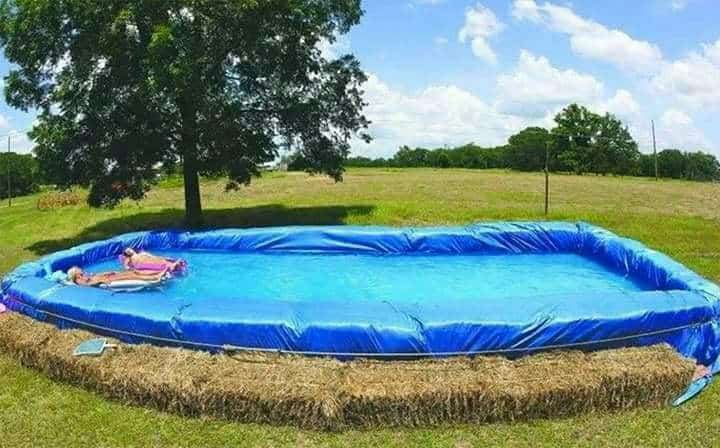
(77, 276)
(146, 261)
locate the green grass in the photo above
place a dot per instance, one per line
(679, 218)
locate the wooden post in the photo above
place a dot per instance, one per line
(547, 177)
(652, 123)
(9, 185)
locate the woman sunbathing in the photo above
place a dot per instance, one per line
(77, 276)
(148, 262)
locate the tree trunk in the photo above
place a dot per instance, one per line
(188, 143)
(193, 207)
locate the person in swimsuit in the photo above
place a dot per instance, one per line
(77, 276)
(132, 259)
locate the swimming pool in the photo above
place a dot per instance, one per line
(358, 278)
(505, 288)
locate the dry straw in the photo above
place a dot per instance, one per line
(326, 394)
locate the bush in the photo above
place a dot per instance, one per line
(701, 167)
(526, 150)
(53, 200)
(297, 162)
(23, 174)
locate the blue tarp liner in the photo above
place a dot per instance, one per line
(673, 305)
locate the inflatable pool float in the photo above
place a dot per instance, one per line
(175, 266)
(115, 286)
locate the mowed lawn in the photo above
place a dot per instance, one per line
(681, 219)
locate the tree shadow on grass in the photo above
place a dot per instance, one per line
(172, 218)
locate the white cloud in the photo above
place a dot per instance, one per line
(536, 88)
(333, 50)
(4, 122)
(591, 39)
(480, 24)
(675, 117)
(529, 95)
(676, 129)
(694, 80)
(712, 52)
(20, 142)
(440, 40)
(526, 10)
(678, 5)
(449, 115)
(623, 105)
(435, 116)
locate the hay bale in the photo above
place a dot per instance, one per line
(486, 389)
(328, 394)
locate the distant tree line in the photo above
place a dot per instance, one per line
(23, 172)
(581, 142)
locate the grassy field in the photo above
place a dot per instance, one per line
(679, 218)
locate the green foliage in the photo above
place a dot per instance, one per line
(671, 163)
(573, 139)
(124, 88)
(585, 142)
(23, 172)
(581, 142)
(701, 166)
(366, 162)
(297, 162)
(439, 159)
(646, 165)
(466, 156)
(698, 166)
(412, 158)
(526, 150)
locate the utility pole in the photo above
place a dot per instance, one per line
(8, 174)
(547, 177)
(652, 122)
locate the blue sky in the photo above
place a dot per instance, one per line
(447, 72)
(453, 71)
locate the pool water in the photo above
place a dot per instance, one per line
(405, 278)
(506, 288)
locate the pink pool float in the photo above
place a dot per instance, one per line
(144, 261)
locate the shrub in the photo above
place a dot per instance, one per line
(23, 174)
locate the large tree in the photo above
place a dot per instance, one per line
(127, 87)
(585, 142)
(526, 149)
(614, 148)
(701, 166)
(573, 138)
